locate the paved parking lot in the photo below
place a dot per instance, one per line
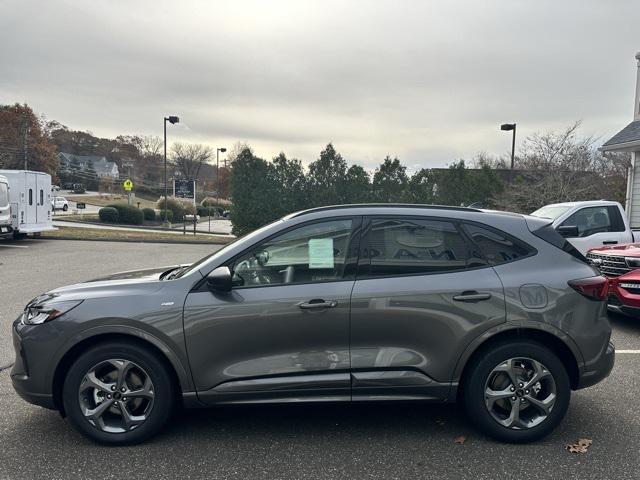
(390, 441)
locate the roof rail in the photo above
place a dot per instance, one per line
(378, 205)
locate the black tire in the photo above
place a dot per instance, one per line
(164, 391)
(475, 382)
(19, 235)
(65, 208)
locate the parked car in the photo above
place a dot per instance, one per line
(348, 303)
(59, 203)
(78, 188)
(55, 188)
(590, 224)
(5, 207)
(621, 264)
(30, 200)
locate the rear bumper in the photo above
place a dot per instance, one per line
(599, 369)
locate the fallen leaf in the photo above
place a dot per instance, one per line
(460, 440)
(580, 446)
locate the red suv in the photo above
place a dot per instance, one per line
(621, 264)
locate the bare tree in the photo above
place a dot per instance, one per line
(189, 158)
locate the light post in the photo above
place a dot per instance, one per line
(218, 150)
(172, 119)
(507, 127)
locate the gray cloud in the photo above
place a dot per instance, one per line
(426, 81)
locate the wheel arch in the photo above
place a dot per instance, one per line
(181, 377)
(568, 354)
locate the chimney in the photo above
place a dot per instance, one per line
(636, 110)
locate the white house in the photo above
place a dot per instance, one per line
(103, 167)
(628, 140)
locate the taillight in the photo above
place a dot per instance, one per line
(594, 288)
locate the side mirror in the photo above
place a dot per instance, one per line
(219, 280)
(568, 231)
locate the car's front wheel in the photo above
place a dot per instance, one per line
(517, 392)
(119, 393)
(65, 208)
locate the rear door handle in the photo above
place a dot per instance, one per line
(471, 296)
(609, 242)
(317, 303)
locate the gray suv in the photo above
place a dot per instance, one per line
(346, 303)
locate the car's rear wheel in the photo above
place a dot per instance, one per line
(517, 392)
(118, 393)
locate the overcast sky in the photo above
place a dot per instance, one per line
(428, 81)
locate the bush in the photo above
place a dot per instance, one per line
(108, 215)
(203, 211)
(175, 206)
(149, 214)
(169, 216)
(128, 214)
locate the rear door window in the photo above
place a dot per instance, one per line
(406, 246)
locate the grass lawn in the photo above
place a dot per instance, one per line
(103, 200)
(70, 233)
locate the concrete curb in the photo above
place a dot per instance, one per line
(131, 240)
(138, 227)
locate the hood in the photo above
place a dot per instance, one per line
(148, 274)
(133, 282)
(625, 250)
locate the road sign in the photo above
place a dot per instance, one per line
(128, 185)
(184, 189)
(81, 206)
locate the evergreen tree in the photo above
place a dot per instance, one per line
(390, 181)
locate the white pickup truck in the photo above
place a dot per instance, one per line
(590, 224)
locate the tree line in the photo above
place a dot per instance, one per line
(551, 167)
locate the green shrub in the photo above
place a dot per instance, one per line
(202, 211)
(175, 206)
(108, 215)
(149, 214)
(169, 216)
(128, 213)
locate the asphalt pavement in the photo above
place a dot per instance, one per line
(385, 441)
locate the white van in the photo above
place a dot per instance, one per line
(5, 209)
(30, 201)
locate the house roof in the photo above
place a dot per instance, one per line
(100, 164)
(626, 138)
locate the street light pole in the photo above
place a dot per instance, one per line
(172, 119)
(507, 127)
(218, 150)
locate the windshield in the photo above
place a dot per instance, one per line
(202, 261)
(4, 195)
(550, 211)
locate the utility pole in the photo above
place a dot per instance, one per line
(25, 138)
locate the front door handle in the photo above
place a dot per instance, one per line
(471, 296)
(317, 303)
(609, 242)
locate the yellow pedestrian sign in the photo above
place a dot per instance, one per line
(128, 185)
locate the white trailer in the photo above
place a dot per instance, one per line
(30, 201)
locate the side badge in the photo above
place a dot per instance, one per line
(166, 304)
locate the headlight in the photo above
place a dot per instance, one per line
(633, 262)
(35, 315)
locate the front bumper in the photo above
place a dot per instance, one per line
(599, 369)
(31, 388)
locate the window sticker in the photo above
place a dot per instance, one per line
(321, 253)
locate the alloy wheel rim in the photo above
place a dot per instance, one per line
(520, 393)
(116, 396)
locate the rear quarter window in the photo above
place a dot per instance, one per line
(498, 247)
